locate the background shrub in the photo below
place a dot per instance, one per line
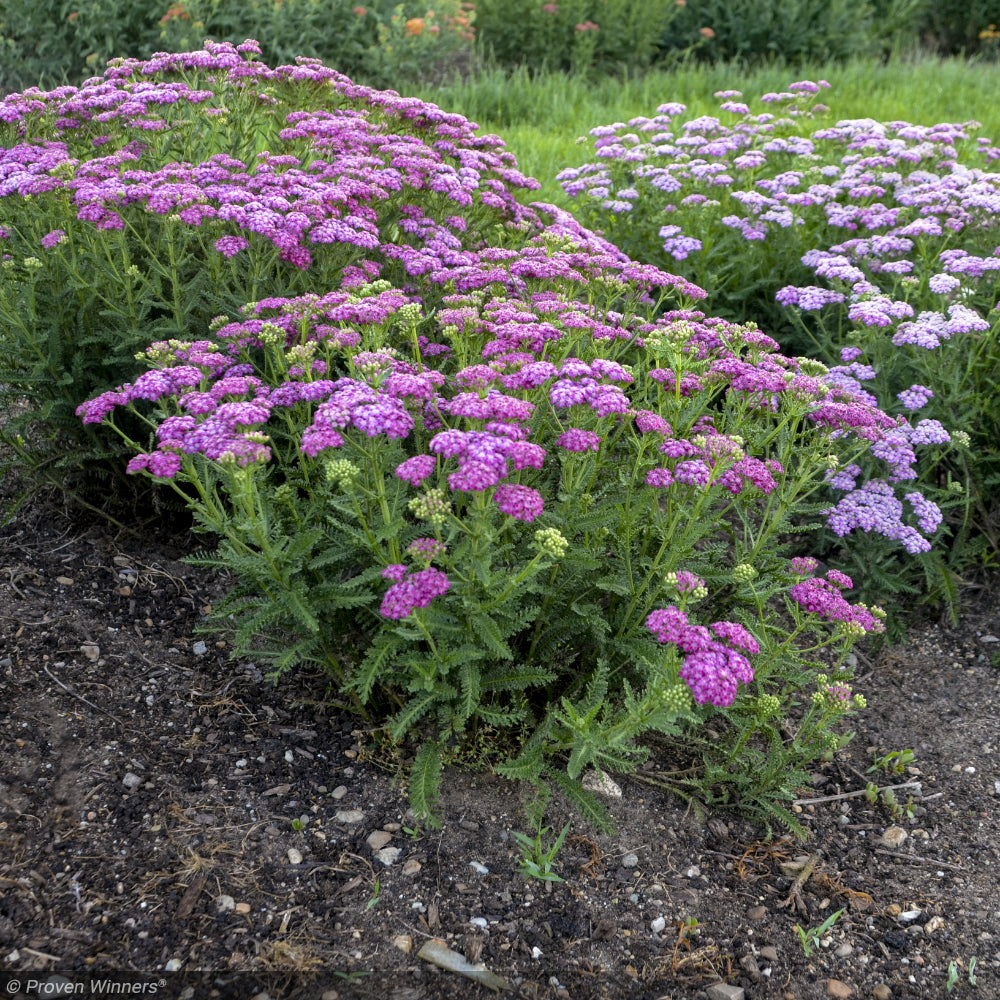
(793, 31)
(962, 26)
(573, 35)
(55, 41)
(381, 42)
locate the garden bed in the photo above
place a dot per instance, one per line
(163, 809)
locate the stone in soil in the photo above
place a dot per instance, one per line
(835, 988)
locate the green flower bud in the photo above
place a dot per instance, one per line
(432, 506)
(301, 354)
(341, 471)
(810, 366)
(677, 698)
(551, 542)
(744, 573)
(768, 705)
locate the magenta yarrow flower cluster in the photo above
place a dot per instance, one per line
(714, 661)
(412, 591)
(823, 597)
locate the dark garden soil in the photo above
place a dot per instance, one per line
(162, 808)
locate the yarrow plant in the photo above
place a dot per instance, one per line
(494, 473)
(903, 311)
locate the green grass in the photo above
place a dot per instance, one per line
(541, 119)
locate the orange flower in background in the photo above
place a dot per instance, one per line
(415, 26)
(72, 17)
(706, 33)
(360, 11)
(681, 3)
(550, 8)
(177, 10)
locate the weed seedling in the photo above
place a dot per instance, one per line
(892, 763)
(371, 902)
(535, 860)
(813, 934)
(952, 976)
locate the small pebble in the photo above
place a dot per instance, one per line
(844, 950)
(882, 992)
(388, 855)
(769, 953)
(224, 904)
(693, 872)
(599, 782)
(349, 816)
(173, 965)
(757, 913)
(131, 781)
(934, 924)
(294, 856)
(411, 867)
(478, 868)
(630, 860)
(835, 988)
(339, 792)
(479, 922)
(379, 839)
(657, 926)
(894, 837)
(403, 942)
(199, 648)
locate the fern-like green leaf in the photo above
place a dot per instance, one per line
(425, 784)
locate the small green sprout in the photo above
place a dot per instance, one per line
(813, 934)
(535, 860)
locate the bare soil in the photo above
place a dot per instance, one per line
(163, 808)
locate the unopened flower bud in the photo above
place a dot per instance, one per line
(744, 573)
(341, 471)
(551, 542)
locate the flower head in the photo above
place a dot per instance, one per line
(414, 591)
(520, 502)
(551, 542)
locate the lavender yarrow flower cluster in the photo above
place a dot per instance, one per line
(714, 661)
(874, 508)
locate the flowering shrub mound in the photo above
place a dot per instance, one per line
(868, 244)
(153, 198)
(501, 481)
